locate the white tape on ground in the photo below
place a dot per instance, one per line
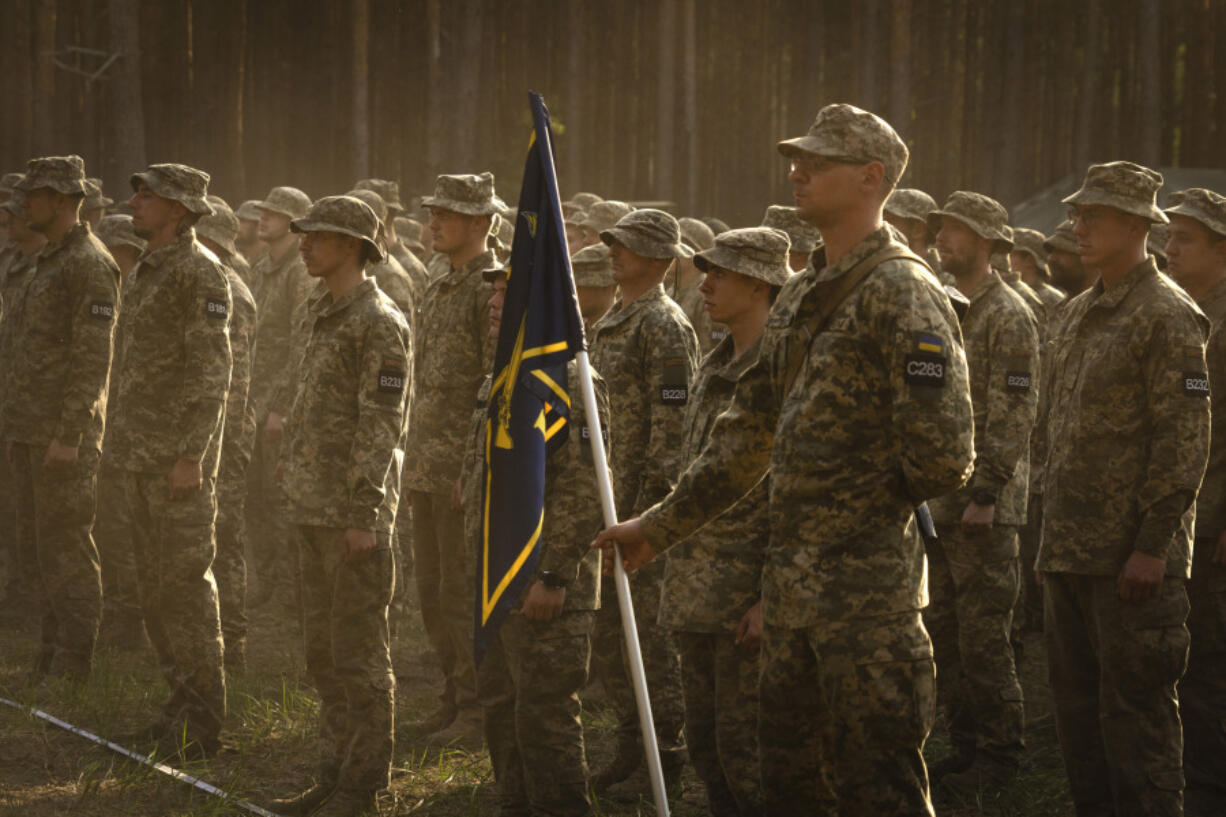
(170, 771)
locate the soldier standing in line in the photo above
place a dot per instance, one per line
(388, 273)
(229, 226)
(389, 192)
(1030, 260)
(352, 390)
(172, 379)
(973, 565)
(1000, 263)
(248, 242)
(804, 236)
(600, 217)
(54, 408)
(409, 235)
(93, 208)
(1127, 442)
(907, 210)
(682, 285)
(1067, 271)
(594, 284)
(860, 407)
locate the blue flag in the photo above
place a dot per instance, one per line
(529, 406)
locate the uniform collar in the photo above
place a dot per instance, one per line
(618, 313)
(1216, 295)
(157, 257)
(990, 283)
(477, 265)
(868, 245)
(730, 368)
(275, 265)
(77, 232)
(1111, 298)
(322, 304)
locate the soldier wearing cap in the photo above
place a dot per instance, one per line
(169, 397)
(1127, 442)
(218, 231)
(93, 208)
(248, 242)
(452, 353)
(907, 210)
(572, 220)
(409, 233)
(1197, 261)
(281, 290)
(647, 352)
(121, 241)
(860, 407)
(388, 273)
(804, 237)
(1064, 262)
(1155, 244)
(352, 389)
(54, 406)
(594, 284)
(711, 598)
(1001, 264)
(1030, 260)
(683, 285)
(602, 216)
(530, 677)
(389, 192)
(585, 200)
(973, 565)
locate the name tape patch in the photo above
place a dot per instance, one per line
(1017, 382)
(924, 369)
(215, 306)
(102, 310)
(391, 381)
(1196, 384)
(674, 388)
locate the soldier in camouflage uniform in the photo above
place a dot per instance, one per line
(907, 210)
(409, 236)
(711, 599)
(404, 254)
(530, 677)
(683, 281)
(1064, 262)
(388, 273)
(1012, 277)
(572, 219)
(973, 566)
(1030, 260)
(804, 236)
(856, 424)
(121, 241)
(282, 288)
(452, 350)
(1127, 442)
(54, 407)
(1155, 244)
(594, 284)
(341, 474)
(172, 377)
(220, 236)
(600, 217)
(248, 242)
(93, 208)
(647, 352)
(1196, 253)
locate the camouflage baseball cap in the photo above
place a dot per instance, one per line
(585, 200)
(287, 201)
(408, 231)
(649, 233)
(63, 174)
(221, 228)
(1155, 242)
(373, 199)
(469, 194)
(388, 190)
(803, 235)
(1062, 239)
(1205, 206)
(1123, 185)
(987, 217)
(759, 252)
(1030, 241)
(342, 214)
(248, 211)
(94, 199)
(8, 183)
(177, 182)
(907, 202)
(846, 132)
(604, 214)
(116, 230)
(593, 267)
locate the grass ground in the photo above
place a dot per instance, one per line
(45, 771)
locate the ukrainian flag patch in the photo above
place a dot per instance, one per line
(931, 344)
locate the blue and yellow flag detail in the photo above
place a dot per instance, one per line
(529, 406)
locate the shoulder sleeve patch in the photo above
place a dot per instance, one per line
(924, 364)
(102, 310)
(391, 378)
(1017, 373)
(215, 304)
(674, 382)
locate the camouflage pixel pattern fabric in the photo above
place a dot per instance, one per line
(804, 236)
(1123, 185)
(287, 201)
(63, 174)
(758, 252)
(1206, 206)
(177, 182)
(907, 202)
(984, 215)
(649, 233)
(846, 132)
(470, 194)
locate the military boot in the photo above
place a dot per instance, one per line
(628, 757)
(466, 733)
(440, 718)
(637, 786)
(305, 802)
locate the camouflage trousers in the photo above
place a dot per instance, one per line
(661, 664)
(1028, 612)
(1202, 692)
(273, 545)
(529, 684)
(348, 656)
(1113, 667)
(58, 505)
(973, 586)
(175, 548)
(230, 566)
(444, 565)
(845, 708)
(719, 682)
(113, 534)
(20, 563)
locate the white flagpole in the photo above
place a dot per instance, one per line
(639, 677)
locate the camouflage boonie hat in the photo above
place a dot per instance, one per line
(8, 183)
(572, 214)
(649, 233)
(63, 174)
(116, 230)
(759, 252)
(696, 235)
(94, 200)
(593, 267)
(221, 228)
(177, 182)
(605, 214)
(1155, 242)
(1030, 241)
(248, 211)
(1062, 239)
(987, 217)
(490, 273)
(1205, 206)
(287, 201)
(218, 202)
(907, 202)
(373, 199)
(472, 195)
(14, 205)
(585, 200)
(342, 214)
(1123, 185)
(803, 235)
(408, 231)
(388, 190)
(846, 132)
(506, 230)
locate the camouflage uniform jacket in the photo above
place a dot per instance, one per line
(1037, 306)
(453, 347)
(1049, 295)
(1211, 502)
(343, 432)
(877, 419)
(1001, 341)
(282, 288)
(62, 342)
(236, 262)
(572, 496)
(14, 275)
(413, 268)
(1127, 427)
(395, 284)
(239, 437)
(690, 299)
(172, 362)
(715, 575)
(647, 353)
